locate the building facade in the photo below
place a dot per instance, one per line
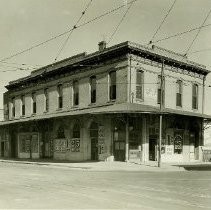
(106, 106)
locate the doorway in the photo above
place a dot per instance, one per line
(119, 137)
(94, 141)
(14, 148)
(152, 148)
(2, 149)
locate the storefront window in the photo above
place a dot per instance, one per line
(75, 142)
(178, 144)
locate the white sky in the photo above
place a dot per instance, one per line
(24, 23)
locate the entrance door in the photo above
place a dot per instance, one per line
(119, 150)
(152, 149)
(119, 137)
(14, 144)
(94, 140)
(2, 149)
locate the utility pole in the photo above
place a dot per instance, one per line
(161, 113)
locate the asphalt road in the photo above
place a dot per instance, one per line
(45, 187)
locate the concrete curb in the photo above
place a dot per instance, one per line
(101, 166)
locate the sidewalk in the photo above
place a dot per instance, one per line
(98, 166)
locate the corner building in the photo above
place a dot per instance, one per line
(106, 106)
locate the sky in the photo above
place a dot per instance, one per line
(25, 23)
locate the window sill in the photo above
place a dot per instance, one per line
(34, 114)
(179, 107)
(92, 104)
(59, 109)
(75, 107)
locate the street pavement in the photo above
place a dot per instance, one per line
(102, 186)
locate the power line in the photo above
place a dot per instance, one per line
(62, 34)
(179, 34)
(191, 44)
(120, 22)
(74, 27)
(198, 51)
(162, 22)
(21, 64)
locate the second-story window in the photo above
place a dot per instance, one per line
(13, 107)
(23, 105)
(195, 96)
(60, 93)
(179, 93)
(159, 93)
(75, 93)
(139, 84)
(46, 94)
(93, 89)
(112, 85)
(34, 103)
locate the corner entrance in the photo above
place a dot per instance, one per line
(94, 141)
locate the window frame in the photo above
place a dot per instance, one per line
(75, 93)
(112, 86)
(13, 106)
(179, 93)
(60, 96)
(195, 96)
(93, 90)
(46, 94)
(23, 107)
(34, 103)
(141, 84)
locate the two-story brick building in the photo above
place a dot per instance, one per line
(105, 106)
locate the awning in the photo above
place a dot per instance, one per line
(109, 108)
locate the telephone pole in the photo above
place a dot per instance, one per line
(161, 112)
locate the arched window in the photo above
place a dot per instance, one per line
(60, 132)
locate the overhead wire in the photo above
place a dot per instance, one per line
(199, 30)
(179, 34)
(70, 33)
(120, 22)
(162, 22)
(62, 34)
